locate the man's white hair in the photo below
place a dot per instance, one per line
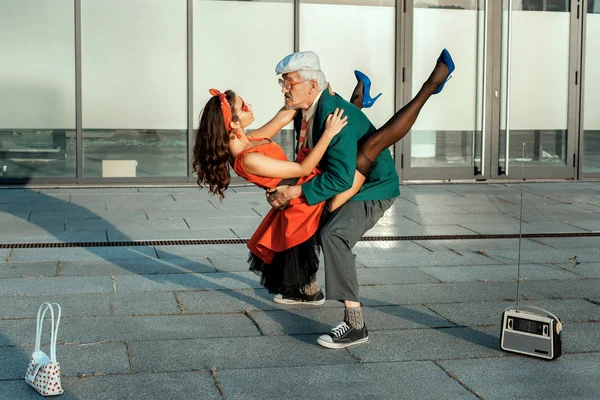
(314, 75)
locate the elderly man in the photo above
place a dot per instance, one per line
(305, 87)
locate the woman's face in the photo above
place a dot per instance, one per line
(244, 112)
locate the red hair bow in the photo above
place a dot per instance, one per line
(224, 107)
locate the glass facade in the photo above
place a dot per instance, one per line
(111, 90)
(37, 89)
(591, 122)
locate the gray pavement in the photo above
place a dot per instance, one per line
(190, 321)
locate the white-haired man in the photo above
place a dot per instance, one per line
(304, 86)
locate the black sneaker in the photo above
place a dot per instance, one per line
(344, 335)
(300, 298)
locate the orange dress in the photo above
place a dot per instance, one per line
(280, 230)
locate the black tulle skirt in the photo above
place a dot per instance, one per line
(290, 270)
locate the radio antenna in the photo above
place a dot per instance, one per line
(520, 229)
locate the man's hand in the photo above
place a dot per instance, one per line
(280, 196)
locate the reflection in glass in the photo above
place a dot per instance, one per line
(26, 153)
(134, 153)
(37, 89)
(534, 94)
(252, 37)
(364, 39)
(134, 84)
(448, 131)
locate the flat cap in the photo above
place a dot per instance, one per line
(301, 61)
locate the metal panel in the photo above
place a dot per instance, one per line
(78, 98)
(190, 81)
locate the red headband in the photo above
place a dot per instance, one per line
(224, 107)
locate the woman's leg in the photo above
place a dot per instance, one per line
(393, 130)
(357, 94)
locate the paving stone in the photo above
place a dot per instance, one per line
(497, 273)
(592, 226)
(490, 312)
(555, 256)
(56, 285)
(162, 282)
(74, 359)
(229, 250)
(91, 304)
(230, 353)
(515, 209)
(4, 253)
(142, 386)
(419, 380)
(441, 258)
(574, 217)
(310, 320)
(412, 229)
(420, 293)
(386, 276)
(120, 197)
(61, 236)
(571, 242)
(100, 329)
(429, 344)
(85, 215)
(96, 191)
(409, 209)
(179, 213)
(591, 270)
(581, 337)
(131, 224)
(245, 212)
(513, 228)
(83, 253)
(125, 235)
(146, 266)
(28, 269)
(230, 264)
(480, 245)
(378, 247)
(463, 220)
(561, 289)
(13, 216)
(573, 376)
(208, 301)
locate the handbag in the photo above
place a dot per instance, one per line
(43, 372)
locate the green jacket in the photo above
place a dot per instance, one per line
(339, 162)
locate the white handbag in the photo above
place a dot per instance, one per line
(43, 372)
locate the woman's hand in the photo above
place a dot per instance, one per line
(335, 123)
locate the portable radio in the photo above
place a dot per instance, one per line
(536, 334)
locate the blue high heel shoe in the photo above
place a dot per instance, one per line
(445, 59)
(368, 101)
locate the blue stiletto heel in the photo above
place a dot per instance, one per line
(445, 59)
(368, 101)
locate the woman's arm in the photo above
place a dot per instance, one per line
(259, 164)
(270, 129)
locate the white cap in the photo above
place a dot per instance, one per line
(301, 61)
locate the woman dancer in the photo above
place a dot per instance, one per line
(283, 250)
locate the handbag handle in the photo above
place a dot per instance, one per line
(40, 322)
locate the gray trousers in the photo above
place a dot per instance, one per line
(338, 234)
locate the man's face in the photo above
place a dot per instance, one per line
(295, 91)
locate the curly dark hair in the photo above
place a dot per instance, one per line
(211, 157)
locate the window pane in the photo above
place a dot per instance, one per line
(349, 37)
(37, 88)
(591, 118)
(237, 45)
(134, 82)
